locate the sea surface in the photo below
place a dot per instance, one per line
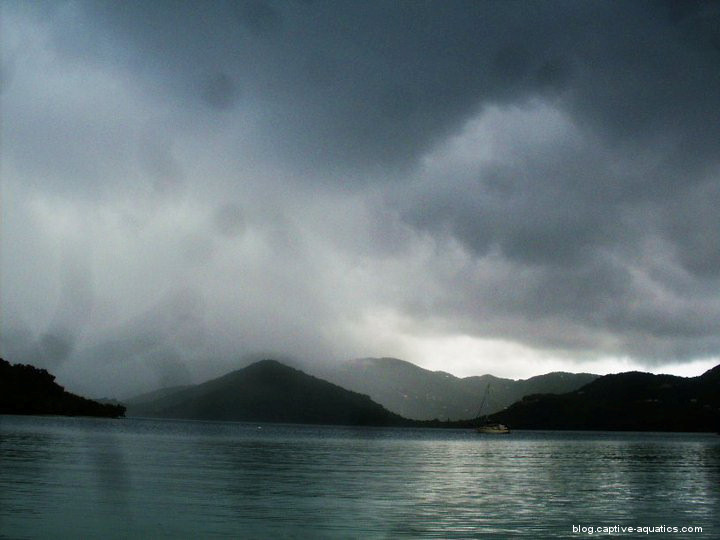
(142, 478)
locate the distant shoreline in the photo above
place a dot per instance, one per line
(252, 424)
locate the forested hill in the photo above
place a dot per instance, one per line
(630, 401)
(25, 389)
(268, 391)
(414, 392)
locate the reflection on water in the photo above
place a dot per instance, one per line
(116, 479)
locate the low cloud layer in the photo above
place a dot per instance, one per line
(187, 184)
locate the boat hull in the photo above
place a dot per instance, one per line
(493, 429)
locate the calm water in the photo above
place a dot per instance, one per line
(135, 478)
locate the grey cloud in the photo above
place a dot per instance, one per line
(374, 85)
(346, 83)
(229, 220)
(259, 16)
(537, 201)
(293, 168)
(596, 304)
(156, 158)
(610, 250)
(151, 349)
(220, 91)
(56, 348)
(692, 223)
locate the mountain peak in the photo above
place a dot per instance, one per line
(421, 394)
(269, 391)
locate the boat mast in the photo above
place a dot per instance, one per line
(484, 399)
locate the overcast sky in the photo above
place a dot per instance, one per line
(477, 187)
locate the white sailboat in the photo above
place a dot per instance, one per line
(487, 427)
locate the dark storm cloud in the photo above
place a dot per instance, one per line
(361, 83)
(540, 172)
(338, 83)
(611, 251)
(358, 83)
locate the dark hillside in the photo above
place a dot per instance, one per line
(420, 394)
(269, 391)
(25, 389)
(630, 401)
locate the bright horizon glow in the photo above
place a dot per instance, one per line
(465, 356)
